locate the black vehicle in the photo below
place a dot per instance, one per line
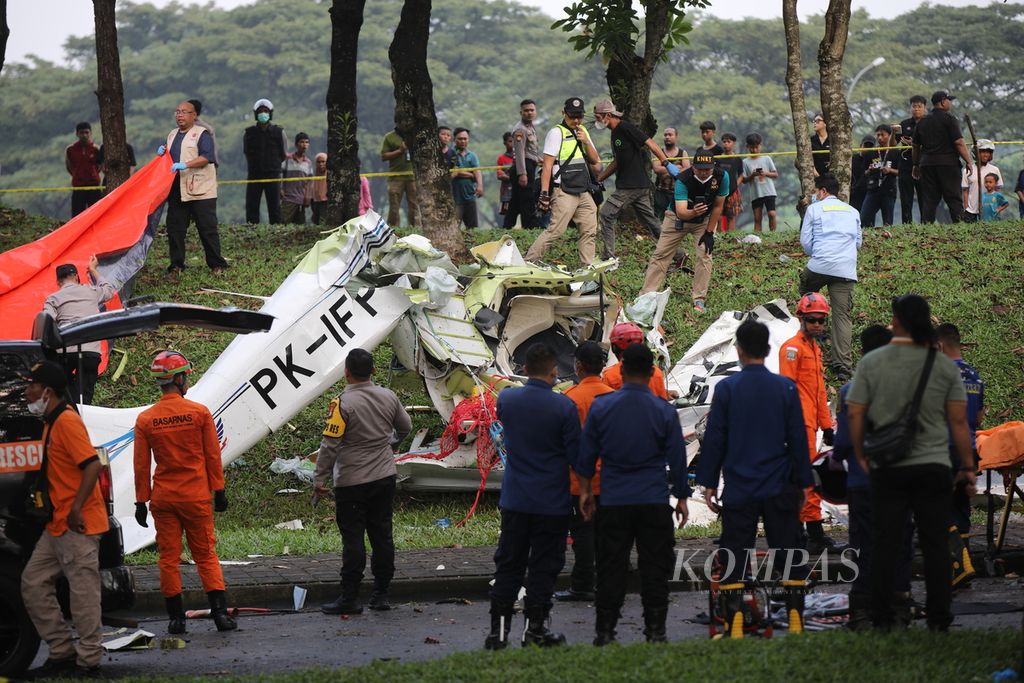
(21, 453)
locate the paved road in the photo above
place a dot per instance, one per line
(426, 630)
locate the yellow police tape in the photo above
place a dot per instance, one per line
(388, 174)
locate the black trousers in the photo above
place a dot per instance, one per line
(873, 201)
(83, 199)
(203, 212)
(255, 191)
(583, 548)
(531, 552)
(366, 509)
(940, 183)
(923, 490)
(618, 528)
(859, 501)
(907, 186)
(523, 204)
(90, 365)
(467, 214)
(781, 515)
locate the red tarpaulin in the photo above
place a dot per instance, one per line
(118, 230)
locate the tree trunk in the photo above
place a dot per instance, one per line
(5, 33)
(795, 83)
(629, 76)
(833, 101)
(417, 121)
(342, 123)
(110, 93)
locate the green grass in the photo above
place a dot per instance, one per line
(972, 277)
(913, 656)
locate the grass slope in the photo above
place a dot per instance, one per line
(972, 276)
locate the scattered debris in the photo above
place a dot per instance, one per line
(454, 601)
(291, 525)
(287, 492)
(753, 239)
(139, 640)
(299, 597)
(440, 567)
(429, 640)
(172, 644)
(302, 468)
(443, 523)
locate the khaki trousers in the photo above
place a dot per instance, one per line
(77, 557)
(564, 208)
(665, 252)
(396, 188)
(840, 298)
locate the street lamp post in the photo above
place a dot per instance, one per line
(877, 61)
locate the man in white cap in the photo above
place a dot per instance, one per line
(265, 146)
(969, 181)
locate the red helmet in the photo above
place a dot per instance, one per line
(167, 364)
(812, 302)
(625, 334)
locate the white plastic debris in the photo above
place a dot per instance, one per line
(440, 286)
(302, 468)
(299, 597)
(440, 567)
(139, 640)
(643, 309)
(751, 239)
(291, 525)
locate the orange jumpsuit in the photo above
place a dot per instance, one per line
(800, 360)
(613, 377)
(583, 395)
(182, 438)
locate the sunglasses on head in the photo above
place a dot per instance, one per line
(814, 321)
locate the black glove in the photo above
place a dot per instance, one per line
(707, 240)
(141, 513)
(828, 437)
(220, 501)
(544, 202)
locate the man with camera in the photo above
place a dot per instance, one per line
(700, 197)
(632, 179)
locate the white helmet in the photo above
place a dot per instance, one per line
(263, 102)
(986, 144)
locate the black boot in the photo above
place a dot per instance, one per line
(537, 632)
(219, 611)
(654, 624)
(605, 627)
(379, 600)
(860, 613)
(176, 614)
(346, 603)
(818, 542)
(501, 624)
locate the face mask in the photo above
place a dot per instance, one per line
(814, 198)
(702, 181)
(37, 408)
(263, 117)
(600, 125)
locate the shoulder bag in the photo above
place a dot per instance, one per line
(887, 445)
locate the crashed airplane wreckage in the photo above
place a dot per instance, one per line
(463, 331)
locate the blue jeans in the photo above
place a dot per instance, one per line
(873, 201)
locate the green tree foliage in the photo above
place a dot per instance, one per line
(484, 57)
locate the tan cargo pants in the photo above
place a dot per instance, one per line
(564, 208)
(396, 188)
(77, 557)
(665, 252)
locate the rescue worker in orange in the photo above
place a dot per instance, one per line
(622, 335)
(800, 360)
(180, 435)
(590, 359)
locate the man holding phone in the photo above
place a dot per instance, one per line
(908, 186)
(755, 439)
(700, 193)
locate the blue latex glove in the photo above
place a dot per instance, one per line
(160, 150)
(178, 166)
(672, 169)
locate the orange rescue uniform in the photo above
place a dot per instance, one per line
(613, 377)
(800, 360)
(68, 452)
(181, 436)
(583, 395)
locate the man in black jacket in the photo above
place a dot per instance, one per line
(937, 143)
(265, 146)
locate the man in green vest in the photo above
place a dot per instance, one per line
(565, 184)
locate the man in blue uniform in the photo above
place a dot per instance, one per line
(542, 434)
(756, 439)
(960, 527)
(635, 434)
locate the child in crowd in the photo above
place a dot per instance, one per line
(759, 171)
(993, 203)
(1020, 194)
(734, 167)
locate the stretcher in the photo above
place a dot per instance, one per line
(1001, 450)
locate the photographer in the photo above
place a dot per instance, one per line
(700, 197)
(632, 177)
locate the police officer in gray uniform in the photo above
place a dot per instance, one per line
(523, 204)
